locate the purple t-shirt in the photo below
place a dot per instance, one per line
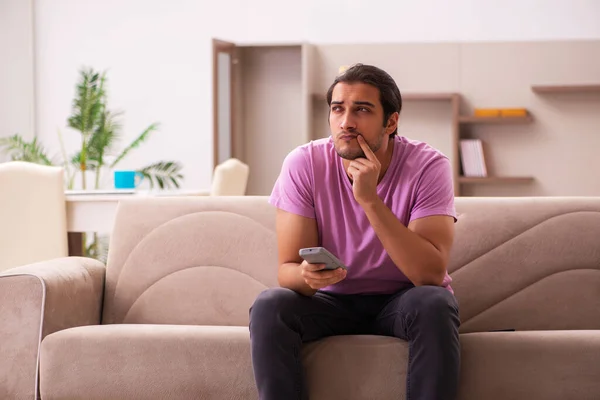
(314, 184)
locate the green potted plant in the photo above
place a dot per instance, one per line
(100, 132)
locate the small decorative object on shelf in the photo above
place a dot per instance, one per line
(486, 112)
(513, 112)
(472, 158)
(497, 116)
(500, 112)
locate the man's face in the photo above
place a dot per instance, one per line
(356, 110)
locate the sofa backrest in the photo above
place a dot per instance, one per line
(517, 263)
(189, 260)
(527, 263)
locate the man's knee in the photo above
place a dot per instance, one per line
(432, 301)
(270, 305)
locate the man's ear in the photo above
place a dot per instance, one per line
(392, 123)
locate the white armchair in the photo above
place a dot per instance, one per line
(230, 178)
(33, 221)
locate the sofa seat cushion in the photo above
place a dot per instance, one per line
(207, 362)
(549, 365)
(356, 367)
(147, 362)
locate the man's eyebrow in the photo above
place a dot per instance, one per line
(358, 103)
(364, 103)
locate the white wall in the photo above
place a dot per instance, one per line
(159, 53)
(16, 69)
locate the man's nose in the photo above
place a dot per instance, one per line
(347, 122)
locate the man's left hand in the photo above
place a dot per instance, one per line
(365, 174)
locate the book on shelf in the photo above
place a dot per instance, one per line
(500, 112)
(472, 158)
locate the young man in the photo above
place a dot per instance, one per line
(384, 205)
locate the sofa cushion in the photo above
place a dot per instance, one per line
(205, 362)
(527, 263)
(356, 368)
(189, 261)
(147, 362)
(549, 365)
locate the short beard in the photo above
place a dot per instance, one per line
(359, 153)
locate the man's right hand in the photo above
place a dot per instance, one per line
(317, 278)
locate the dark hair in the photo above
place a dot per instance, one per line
(389, 94)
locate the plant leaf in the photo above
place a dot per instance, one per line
(136, 143)
(104, 137)
(90, 165)
(165, 174)
(88, 102)
(18, 149)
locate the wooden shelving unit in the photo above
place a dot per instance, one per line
(495, 120)
(589, 88)
(492, 180)
(495, 179)
(430, 96)
(410, 96)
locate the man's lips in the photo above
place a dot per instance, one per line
(347, 136)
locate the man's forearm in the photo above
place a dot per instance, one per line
(415, 256)
(289, 276)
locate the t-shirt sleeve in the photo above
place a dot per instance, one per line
(292, 191)
(435, 191)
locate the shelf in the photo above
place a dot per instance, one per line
(268, 44)
(495, 120)
(410, 96)
(495, 179)
(429, 96)
(592, 88)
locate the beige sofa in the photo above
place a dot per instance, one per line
(167, 319)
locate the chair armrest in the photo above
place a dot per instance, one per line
(37, 300)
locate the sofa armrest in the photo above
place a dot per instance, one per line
(35, 301)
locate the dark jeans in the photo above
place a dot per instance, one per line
(425, 316)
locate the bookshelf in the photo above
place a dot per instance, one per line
(495, 120)
(495, 179)
(430, 96)
(477, 158)
(415, 96)
(589, 88)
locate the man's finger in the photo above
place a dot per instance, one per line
(324, 275)
(366, 149)
(321, 285)
(319, 275)
(325, 282)
(360, 162)
(314, 267)
(352, 171)
(360, 166)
